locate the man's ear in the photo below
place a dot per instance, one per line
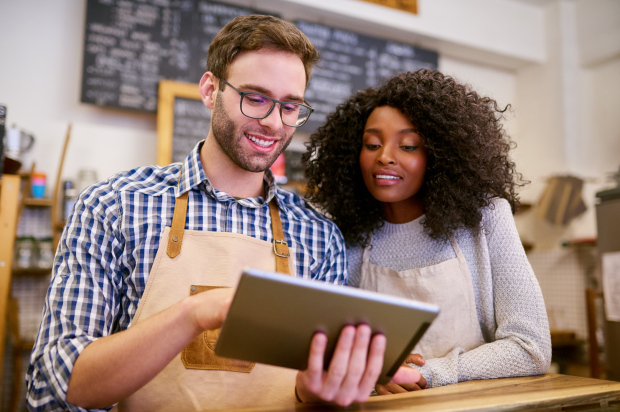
(208, 89)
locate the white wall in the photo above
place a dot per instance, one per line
(567, 115)
(565, 105)
(40, 78)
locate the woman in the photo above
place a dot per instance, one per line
(417, 176)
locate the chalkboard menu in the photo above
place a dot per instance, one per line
(352, 62)
(191, 124)
(129, 46)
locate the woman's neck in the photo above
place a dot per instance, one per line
(404, 211)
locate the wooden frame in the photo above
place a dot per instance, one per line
(409, 6)
(168, 90)
(9, 209)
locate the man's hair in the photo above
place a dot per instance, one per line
(255, 32)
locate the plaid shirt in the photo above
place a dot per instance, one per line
(109, 244)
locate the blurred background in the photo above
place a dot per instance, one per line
(97, 65)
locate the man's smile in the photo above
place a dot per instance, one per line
(261, 141)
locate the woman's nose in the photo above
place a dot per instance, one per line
(386, 156)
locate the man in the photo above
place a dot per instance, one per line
(156, 248)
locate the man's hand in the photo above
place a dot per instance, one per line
(353, 371)
(391, 387)
(113, 367)
(209, 309)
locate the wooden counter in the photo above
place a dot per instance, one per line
(544, 392)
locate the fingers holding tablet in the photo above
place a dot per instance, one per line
(353, 370)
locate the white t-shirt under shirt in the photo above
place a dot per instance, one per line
(509, 303)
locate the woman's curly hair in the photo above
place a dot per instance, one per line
(466, 145)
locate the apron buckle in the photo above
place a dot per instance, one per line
(282, 242)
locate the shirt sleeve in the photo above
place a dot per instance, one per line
(334, 267)
(82, 299)
(521, 343)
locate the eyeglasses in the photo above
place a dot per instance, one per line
(259, 106)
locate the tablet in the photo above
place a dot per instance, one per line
(273, 318)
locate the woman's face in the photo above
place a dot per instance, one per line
(393, 158)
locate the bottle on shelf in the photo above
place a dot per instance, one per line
(69, 195)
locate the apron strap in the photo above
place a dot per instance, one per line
(280, 247)
(366, 252)
(457, 250)
(178, 226)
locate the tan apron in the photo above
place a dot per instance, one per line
(447, 285)
(197, 379)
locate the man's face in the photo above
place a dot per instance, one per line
(254, 144)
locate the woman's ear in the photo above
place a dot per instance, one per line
(208, 89)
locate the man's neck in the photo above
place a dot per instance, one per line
(225, 175)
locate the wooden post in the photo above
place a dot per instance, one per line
(595, 366)
(58, 222)
(9, 200)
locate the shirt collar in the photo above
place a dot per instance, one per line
(192, 173)
(193, 176)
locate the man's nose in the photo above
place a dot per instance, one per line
(273, 121)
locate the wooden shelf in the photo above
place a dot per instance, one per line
(523, 207)
(36, 202)
(32, 272)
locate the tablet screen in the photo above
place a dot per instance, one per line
(273, 318)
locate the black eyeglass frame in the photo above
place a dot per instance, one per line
(273, 101)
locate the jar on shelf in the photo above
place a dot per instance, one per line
(86, 177)
(46, 253)
(25, 253)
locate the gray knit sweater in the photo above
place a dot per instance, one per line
(510, 306)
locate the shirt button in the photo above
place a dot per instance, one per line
(58, 280)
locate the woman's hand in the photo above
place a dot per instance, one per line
(392, 388)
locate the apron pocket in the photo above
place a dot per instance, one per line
(199, 354)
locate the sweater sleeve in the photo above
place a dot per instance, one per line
(521, 343)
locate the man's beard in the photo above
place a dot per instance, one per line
(229, 137)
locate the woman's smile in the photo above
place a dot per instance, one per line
(387, 177)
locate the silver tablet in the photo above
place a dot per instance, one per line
(273, 317)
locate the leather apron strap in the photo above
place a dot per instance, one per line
(178, 226)
(280, 247)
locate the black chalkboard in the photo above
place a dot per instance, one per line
(130, 45)
(191, 124)
(352, 62)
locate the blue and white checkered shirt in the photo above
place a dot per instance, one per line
(109, 244)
